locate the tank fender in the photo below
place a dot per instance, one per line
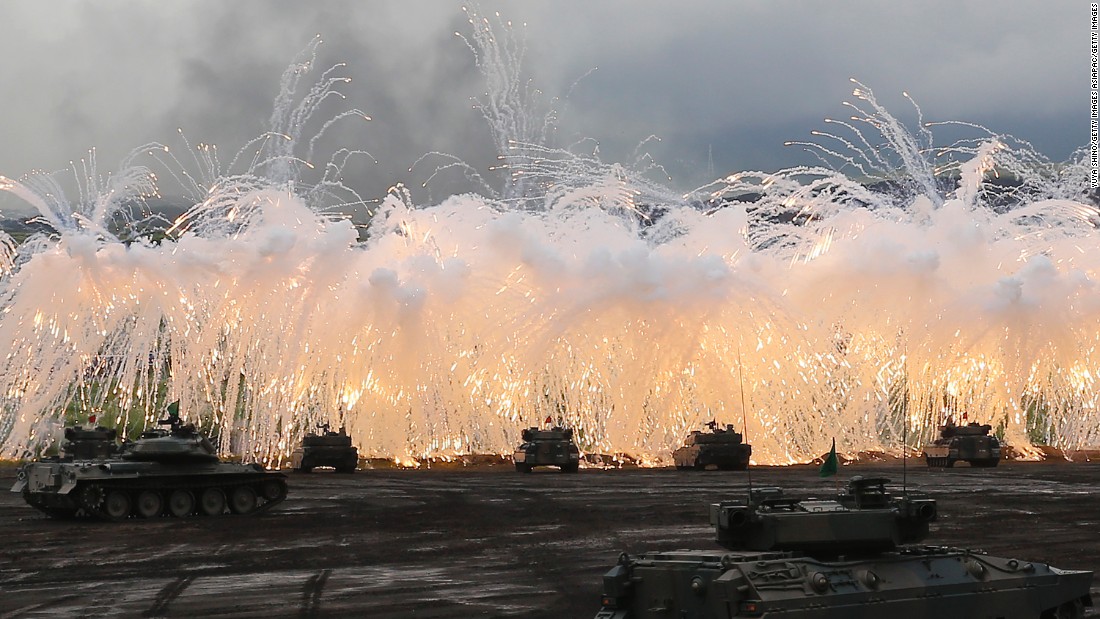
(616, 590)
(616, 582)
(20, 481)
(68, 481)
(730, 588)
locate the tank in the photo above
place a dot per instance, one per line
(166, 472)
(553, 447)
(855, 556)
(970, 443)
(332, 449)
(720, 447)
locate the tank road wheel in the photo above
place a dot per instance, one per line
(149, 504)
(181, 503)
(116, 505)
(273, 490)
(242, 500)
(212, 502)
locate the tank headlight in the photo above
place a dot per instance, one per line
(975, 569)
(869, 580)
(819, 582)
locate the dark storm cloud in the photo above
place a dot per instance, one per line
(722, 83)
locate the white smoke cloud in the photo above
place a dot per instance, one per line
(723, 84)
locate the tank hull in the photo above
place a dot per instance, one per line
(981, 451)
(119, 489)
(562, 454)
(729, 457)
(343, 459)
(914, 581)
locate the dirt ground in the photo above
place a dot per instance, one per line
(480, 541)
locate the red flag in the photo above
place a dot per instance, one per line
(548, 421)
(91, 419)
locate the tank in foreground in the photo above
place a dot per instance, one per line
(553, 447)
(969, 443)
(856, 556)
(328, 449)
(166, 472)
(722, 448)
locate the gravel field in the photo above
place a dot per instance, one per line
(478, 541)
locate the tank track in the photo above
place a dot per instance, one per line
(943, 463)
(170, 496)
(950, 462)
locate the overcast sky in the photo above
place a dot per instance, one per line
(722, 83)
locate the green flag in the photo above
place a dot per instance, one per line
(829, 466)
(174, 409)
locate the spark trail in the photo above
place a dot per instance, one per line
(852, 309)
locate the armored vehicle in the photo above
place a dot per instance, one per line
(89, 442)
(326, 449)
(970, 443)
(553, 447)
(721, 447)
(165, 472)
(854, 556)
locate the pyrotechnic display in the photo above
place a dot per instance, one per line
(900, 283)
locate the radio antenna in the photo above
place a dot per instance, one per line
(744, 414)
(905, 425)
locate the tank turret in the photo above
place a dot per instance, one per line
(971, 443)
(90, 442)
(854, 555)
(327, 448)
(721, 447)
(550, 447)
(863, 518)
(180, 443)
